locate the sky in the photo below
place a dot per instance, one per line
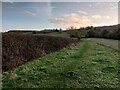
(48, 15)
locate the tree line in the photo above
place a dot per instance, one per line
(94, 32)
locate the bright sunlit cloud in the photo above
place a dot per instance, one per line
(96, 16)
(107, 17)
(73, 19)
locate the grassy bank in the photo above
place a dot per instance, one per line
(87, 65)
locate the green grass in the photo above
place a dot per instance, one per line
(62, 34)
(58, 34)
(86, 65)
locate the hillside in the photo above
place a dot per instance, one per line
(112, 27)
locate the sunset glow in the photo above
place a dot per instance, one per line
(41, 15)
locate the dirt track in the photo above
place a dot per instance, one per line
(108, 42)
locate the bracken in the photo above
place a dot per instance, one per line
(17, 49)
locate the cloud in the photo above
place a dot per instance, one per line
(10, 1)
(105, 24)
(90, 5)
(96, 16)
(72, 19)
(83, 12)
(107, 17)
(97, 4)
(49, 8)
(75, 15)
(113, 5)
(46, 7)
(30, 13)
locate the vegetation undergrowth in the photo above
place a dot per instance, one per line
(86, 65)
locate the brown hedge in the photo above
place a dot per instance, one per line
(20, 48)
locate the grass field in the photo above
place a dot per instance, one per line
(86, 65)
(107, 42)
(62, 34)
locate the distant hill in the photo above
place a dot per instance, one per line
(112, 27)
(34, 31)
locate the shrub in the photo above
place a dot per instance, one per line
(18, 49)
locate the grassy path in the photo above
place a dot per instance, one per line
(86, 65)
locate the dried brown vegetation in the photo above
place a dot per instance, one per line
(20, 48)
